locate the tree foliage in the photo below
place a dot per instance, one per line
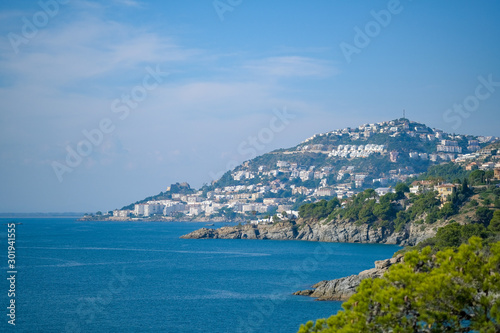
(402, 187)
(477, 177)
(446, 172)
(484, 215)
(453, 235)
(450, 291)
(389, 210)
(318, 210)
(495, 222)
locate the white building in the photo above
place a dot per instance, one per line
(282, 164)
(382, 181)
(153, 209)
(384, 190)
(122, 213)
(195, 210)
(259, 208)
(415, 189)
(306, 175)
(139, 209)
(173, 207)
(325, 192)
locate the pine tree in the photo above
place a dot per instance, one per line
(451, 291)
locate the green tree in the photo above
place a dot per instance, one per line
(453, 235)
(402, 187)
(451, 291)
(496, 203)
(465, 189)
(489, 176)
(447, 210)
(446, 172)
(318, 210)
(476, 177)
(484, 215)
(495, 222)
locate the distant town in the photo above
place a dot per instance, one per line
(274, 191)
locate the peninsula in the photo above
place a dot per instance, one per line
(338, 164)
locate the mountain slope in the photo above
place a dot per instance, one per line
(340, 163)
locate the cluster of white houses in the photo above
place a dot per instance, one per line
(387, 127)
(292, 170)
(448, 147)
(259, 198)
(355, 151)
(255, 202)
(395, 128)
(195, 205)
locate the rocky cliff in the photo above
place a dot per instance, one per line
(335, 231)
(343, 288)
(340, 232)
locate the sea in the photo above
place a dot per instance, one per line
(72, 276)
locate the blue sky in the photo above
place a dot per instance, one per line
(202, 81)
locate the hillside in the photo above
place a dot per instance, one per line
(412, 220)
(449, 280)
(402, 217)
(389, 150)
(340, 163)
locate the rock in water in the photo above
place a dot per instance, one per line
(343, 288)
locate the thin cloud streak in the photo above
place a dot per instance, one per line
(292, 66)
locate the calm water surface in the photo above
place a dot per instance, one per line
(140, 277)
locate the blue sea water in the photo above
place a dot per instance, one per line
(141, 277)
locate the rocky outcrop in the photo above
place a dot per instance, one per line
(339, 232)
(343, 288)
(335, 231)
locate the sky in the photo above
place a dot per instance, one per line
(104, 103)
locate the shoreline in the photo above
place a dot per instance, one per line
(157, 219)
(332, 232)
(343, 288)
(339, 289)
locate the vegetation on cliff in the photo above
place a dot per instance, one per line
(392, 210)
(447, 283)
(449, 291)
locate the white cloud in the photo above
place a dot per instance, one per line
(129, 3)
(292, 66)
(64, 80)
(88, 48)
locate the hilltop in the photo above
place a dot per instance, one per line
(339, 163)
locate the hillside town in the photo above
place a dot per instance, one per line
(260, 192)
(448, 148)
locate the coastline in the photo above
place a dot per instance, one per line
(334, 232)
(339, 289)
(342, 288)
(158, 219)
(339, 232)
